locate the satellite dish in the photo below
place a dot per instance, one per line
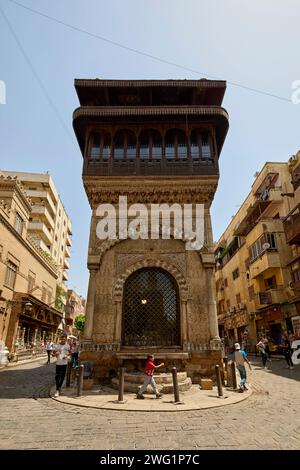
(266, 246)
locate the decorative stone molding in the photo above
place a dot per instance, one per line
(201, 347)
(147, 263)
(91, 346)
(151, 194)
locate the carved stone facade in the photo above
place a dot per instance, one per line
(112, 263)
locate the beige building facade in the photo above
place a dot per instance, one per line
(49, 224)
(28, 277)
(252, 263)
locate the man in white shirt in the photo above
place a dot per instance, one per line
(61, 351)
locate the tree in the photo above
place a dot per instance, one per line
(79, 322)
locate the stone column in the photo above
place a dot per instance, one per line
(34, 337)
(118, 321)
(184, 323)
(212, 310)
(90, 306)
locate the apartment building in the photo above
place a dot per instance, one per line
(49, 225)
(28, 276)
(75, 306)
(253, 259)
(292, 230)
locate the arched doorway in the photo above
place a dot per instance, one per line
(151, 312)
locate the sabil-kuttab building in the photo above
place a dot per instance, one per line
(155, 142)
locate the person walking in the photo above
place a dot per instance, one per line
(149, 380)
(261, 346)
(240, 357)
(61, 351)
(287, 350)
(49, 348)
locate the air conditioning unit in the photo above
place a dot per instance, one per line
(241, 306)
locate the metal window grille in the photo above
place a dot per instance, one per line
(151, 309)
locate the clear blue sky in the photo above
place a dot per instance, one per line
(253, 42)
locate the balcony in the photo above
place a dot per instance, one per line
(291, 227)
(67, 252)
(65, 276)
(163, 167)
(267, 259)
(33, 194)
(44, 214)
(42, 230)
(66, 264)
(270, 297)
(68, 239)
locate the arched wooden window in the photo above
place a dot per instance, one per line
(170, 151)
(106, 146)
(95, 146)
(130, 146)
(156, 145)
(195, 144)
(100, 145)
(175, 145)
(206, 150)
(119, 145)
(182, 149)
(144, 145)
(150, 145)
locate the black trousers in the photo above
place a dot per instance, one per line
(49, 355)
(60, 376)
(264, 358)
(288, 357)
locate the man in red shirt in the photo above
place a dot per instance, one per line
(149, 380)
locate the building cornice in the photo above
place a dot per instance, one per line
(13, 184)
(179, 190)
(99, 83)
(105, 111)
(30, 247)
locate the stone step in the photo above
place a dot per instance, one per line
(132, 387)
(163, 378)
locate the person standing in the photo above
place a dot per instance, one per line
(49, 347)
(261, 346)
(61, 351)
(74, 352)
(149, 380)
(240, 357)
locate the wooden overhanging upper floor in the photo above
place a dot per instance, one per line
(147, 102)
(109, 93)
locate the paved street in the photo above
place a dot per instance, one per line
(29, 419)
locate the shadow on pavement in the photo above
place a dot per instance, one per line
(27, 381)
(278, 367)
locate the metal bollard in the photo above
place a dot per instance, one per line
(175, 385)
(219, 380)
(121, 384)
(68, 378)
(233, 374)
(80, 380)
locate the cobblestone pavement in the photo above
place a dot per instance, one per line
(29, 419)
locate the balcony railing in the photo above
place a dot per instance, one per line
(270, 297)
(149, 168)
(292, 228)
